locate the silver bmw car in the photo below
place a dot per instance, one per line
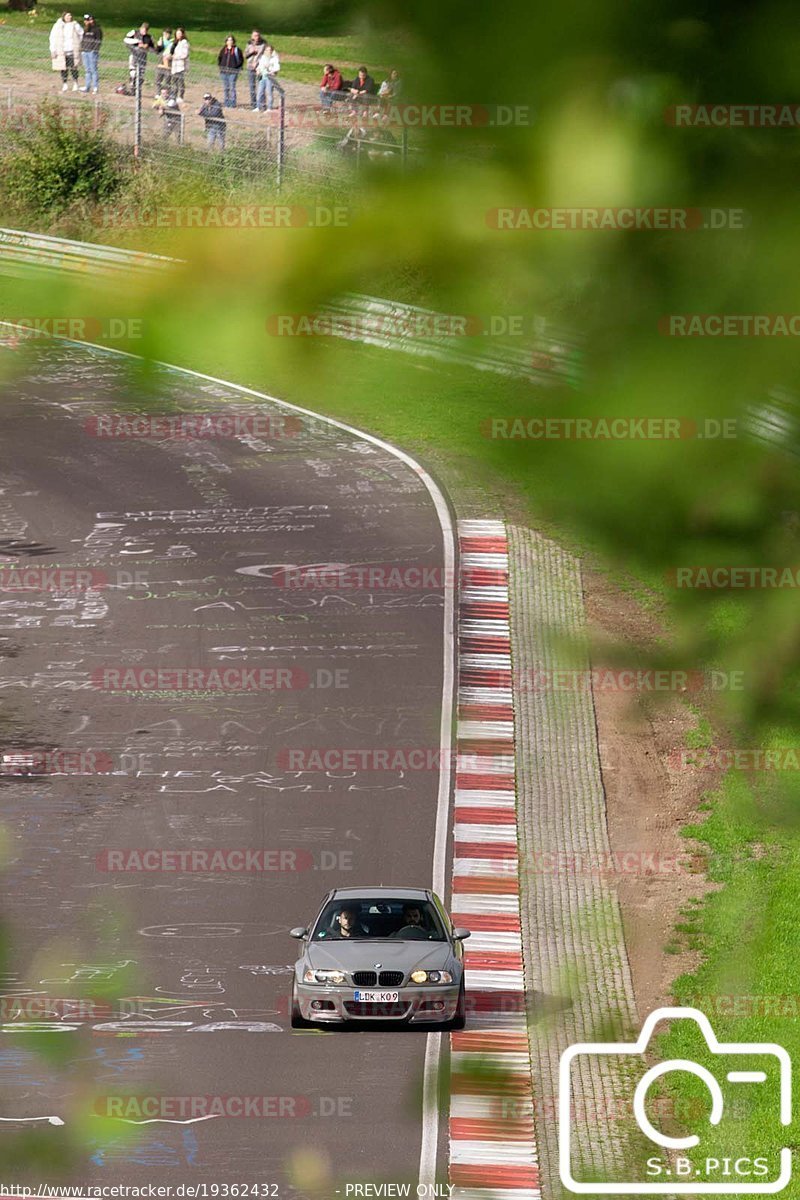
(380, 954)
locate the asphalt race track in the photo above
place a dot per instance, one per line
(184, 974)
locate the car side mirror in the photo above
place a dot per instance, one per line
(298, 932)
(459, 935)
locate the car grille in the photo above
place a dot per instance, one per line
(365, 978)
(371, 978)
(398, 1009)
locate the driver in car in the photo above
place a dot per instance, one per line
(412, 915)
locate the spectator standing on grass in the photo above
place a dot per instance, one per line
(363, 85)
(140, 44)
(90, 53)
(332, 86)
(269, 65)
(252, 56)
(231, 61)
(65, 49)
(215, 121)
(164, 69)
(180, 61)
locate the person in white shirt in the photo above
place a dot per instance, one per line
(269, 64)
(65, 49)
(180, 61)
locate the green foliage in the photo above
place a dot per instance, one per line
(59, 162)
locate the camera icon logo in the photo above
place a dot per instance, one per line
(680, 1175)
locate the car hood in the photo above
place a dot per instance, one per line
(392, 955)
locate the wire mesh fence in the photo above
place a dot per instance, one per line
(279, 132)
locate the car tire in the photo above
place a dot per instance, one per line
(297, 1020)
(460, 1019)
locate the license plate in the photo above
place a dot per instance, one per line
(376, 997)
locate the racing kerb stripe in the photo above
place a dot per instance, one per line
(492, 1138)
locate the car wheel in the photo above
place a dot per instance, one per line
(297, 1020)
(460, 1019)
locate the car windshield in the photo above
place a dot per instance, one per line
(374, 920)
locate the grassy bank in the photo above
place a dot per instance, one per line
(306, 39)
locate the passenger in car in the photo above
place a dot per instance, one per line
(347, 925)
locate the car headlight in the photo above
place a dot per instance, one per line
(421, 976)
(312, 976)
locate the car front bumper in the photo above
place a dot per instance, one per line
(417, 1005)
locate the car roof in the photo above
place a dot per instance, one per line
(399, 893)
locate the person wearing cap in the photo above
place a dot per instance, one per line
(140, 43)
(169, 108)
(214, 116)
(90, 52)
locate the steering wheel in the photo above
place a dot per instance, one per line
(412, 932)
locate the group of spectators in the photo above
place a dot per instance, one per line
(73, 45)
(359, 90)
(370, 123)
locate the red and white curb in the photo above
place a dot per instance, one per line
(492, 1140)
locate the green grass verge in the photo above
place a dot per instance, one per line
(747, 982)
(304, 43)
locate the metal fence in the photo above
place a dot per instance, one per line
(298, 138)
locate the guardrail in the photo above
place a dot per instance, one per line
(551, 357)
(39, 252)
